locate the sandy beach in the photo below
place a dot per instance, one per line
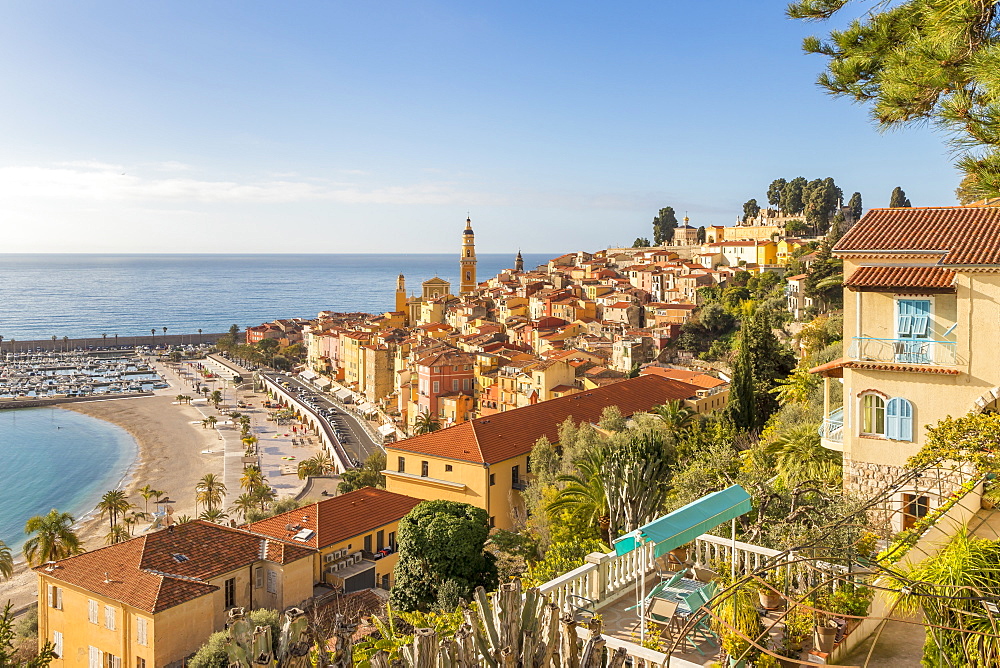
(171, 457)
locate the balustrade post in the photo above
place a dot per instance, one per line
(597, 588)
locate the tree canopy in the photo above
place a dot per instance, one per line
(441, 550)
(664, 225)
(898, 198)
(917, 61)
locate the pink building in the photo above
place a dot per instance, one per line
(442, 373)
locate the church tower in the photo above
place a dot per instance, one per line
(401, 294)
(518, 263)
(468, 263)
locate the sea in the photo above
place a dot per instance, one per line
(79, 296)
(53, 458)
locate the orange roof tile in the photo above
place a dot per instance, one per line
(162, 569)
(495, 438)
(339, 518)
(702, 380)
(873, 278)
(962, 235)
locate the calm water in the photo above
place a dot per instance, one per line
(54, 458)
(90, 295)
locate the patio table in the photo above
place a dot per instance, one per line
(677, 593)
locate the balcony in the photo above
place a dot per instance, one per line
(903, 351)
(831, 432)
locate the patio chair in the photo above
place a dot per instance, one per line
(701, 631)
(675, 578)
(661, 613)
(584, 609)
(705, 575)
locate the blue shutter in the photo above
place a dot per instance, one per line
(899, 419)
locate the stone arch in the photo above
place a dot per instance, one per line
(983, 403)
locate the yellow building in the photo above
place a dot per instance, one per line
(921, 303)
(379, 377)
(484, 461)
(352, 357)
(354, 536)
(154, 600)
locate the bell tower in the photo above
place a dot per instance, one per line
(401, 294)
(518, 263)
(467, 279)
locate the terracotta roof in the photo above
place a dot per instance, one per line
(835, 369)
(162, 569)
(873, 278)
(495, 438)
(962, 235)
(339, 518)
(698, 378)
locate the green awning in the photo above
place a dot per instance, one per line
(685, 524)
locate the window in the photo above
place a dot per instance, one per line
(437, 386)
(368, 543)
(899, 419)
(424, 469)
(493, 521)
(112, 661)
(914, 507)
(140, 631)
(55, 597)
(140, 662)
(493, 479)
(402, 465)
(258, 577)
(447, 468)
(392, 541)
(385, 582)
(272, 582)
(230, 592)
(380, 540)
(57, 642)
(872, 414)
(92, 606)
(913, 330)
(109, 618)
(515, 475)
(96, 660)
(454, 385)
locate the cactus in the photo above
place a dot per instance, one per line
(507, 630)
(252, 646)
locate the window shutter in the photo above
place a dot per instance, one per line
(52, 596)
(92, 611)
(140, 630)
(899, 419)
(259, 577)
(57, 640)
(892, 419)
(920, 325)
(59, 598)
(109, 617)
(95, 657)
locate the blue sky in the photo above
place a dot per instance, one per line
(247, 126)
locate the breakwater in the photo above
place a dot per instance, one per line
(111, 341)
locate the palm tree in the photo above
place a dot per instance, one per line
(148, 493)
(584, 495)
(6, 561)
(799, 456)
(263, 494)
(210, 490)
(105, 337)
(54, 337)
(153, 332)
(675, 415)
(426, 423)
(252, 478)
(249, 444)
(199, 336)
(65, 343)
(118, 534)
(132, 519)
(183, 519)
(54, 538)
(216, 398)
(179, 398)
(113, 503)
(215, 515)
(244, 503)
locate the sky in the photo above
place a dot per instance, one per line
(287, 127)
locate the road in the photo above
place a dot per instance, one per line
(355, 440)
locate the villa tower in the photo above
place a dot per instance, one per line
(468, 263)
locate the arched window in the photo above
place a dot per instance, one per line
(873, 415)
(899, 419)
(468, 252)
(468, 275)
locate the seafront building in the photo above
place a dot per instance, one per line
(154, 600)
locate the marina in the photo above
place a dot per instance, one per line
(74, 374)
